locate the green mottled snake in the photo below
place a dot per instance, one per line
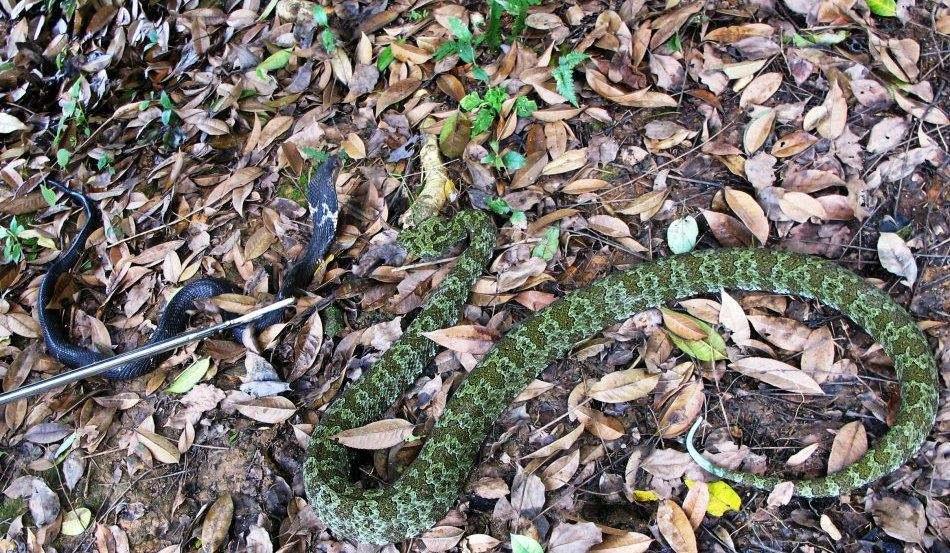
(431, 485)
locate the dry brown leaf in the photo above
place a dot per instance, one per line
(896, 257)
(729, 231)
(628, 542)
(778, 374)
(850, 443)
(758, 130)
(217, 522)
(269, 410)
(749, 212)
(785, 333)
(732, 34)
(682, 410)
(760, 89)
(792, 144)
(609, 226)
(161, 447)
(442, 538)
(563, 443)
(696, 502)
(901, 517)
(929, 113)
(379, 434)
(471, 339)
(811, 180)
(801, 456)
(396, 93)
(406, 52)
(818, 354)
(258, 243)
(620, 386)
(836, 113)
(800, 207)
(887, 134)
(732, 316)
(682, 325)
(675, 527)
(559, 472)
(568, 161)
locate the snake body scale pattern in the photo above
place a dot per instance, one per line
(430, 486)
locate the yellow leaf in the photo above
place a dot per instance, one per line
(645, 495)
(722, 498)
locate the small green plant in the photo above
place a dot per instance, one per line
(418, 15)
(72, 111)
(168, 108)
(327, 37)
(48, 194)
(517, 9)
(485, 109)
(564, 75)
(14, 241)
(463, 45)
(104, 162)
(515, 216)
(509, 160)
(525, 106)
(385, 58)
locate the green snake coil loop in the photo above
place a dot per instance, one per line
(432, 483)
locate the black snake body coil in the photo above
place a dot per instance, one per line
(322, 199)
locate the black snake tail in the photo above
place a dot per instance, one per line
(322, 198)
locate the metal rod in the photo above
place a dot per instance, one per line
(137, 353)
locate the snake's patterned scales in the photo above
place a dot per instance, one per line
(431, 485)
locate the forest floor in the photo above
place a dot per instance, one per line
(599, 134)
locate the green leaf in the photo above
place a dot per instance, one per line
(445, 50)
(16, 227)
(493, 159)
(713, 348)
(48, 194)
(187, 379)
(525, 106)
(524, 544)
(385, 58)
(316, 155)
(480, 74)
(273, 62)
(62, 157)
(519, 220)
(466, 51)
(76, 521)
(884, 8)
(495, 97)
(513, 161)
(165, 101)
(460, 30)
(483, 121)
(800, 41)
(548, 245)
(328, 39)
(166, 116)
(564, 75)
(498, 206)
(320, 15)
(470, 101)
(829, 39)
(682, 234)
(143, 105)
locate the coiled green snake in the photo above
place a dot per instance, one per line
(432, 483)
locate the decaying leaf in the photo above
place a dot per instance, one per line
(376, 435)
